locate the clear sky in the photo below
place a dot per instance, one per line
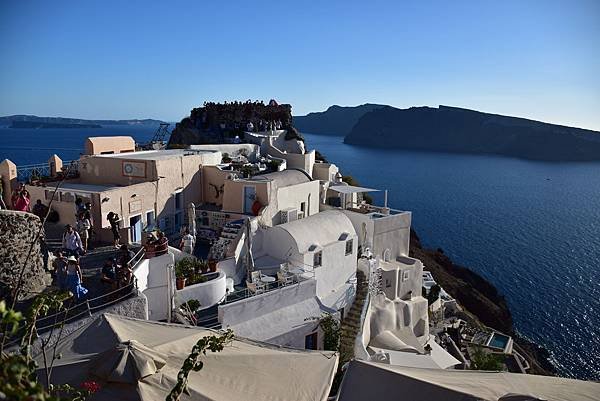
(139, 59)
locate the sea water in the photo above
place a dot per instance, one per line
(531, 228)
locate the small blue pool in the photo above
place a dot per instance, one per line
(498, 341)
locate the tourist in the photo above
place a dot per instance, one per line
(71, 242)
(75, 279)
(124, 271)
(83, 228)
(125, 255)
(15, 196)
(39, 209)
(23, 201)
(114, 221)
(79, 207)
(187, 242)
(60, 270)
(162, 244)
(109, 272)
(2, 204)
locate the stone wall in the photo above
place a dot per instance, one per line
(17, 231)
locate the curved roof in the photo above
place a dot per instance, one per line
(319, 229)
(284, 178)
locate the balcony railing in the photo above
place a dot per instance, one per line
(41, 171)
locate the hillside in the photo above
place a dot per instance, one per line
(451, 129)
(27, 121)
(336, 120)
(35, 124)
(480, 298)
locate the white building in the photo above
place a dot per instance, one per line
(321, 252)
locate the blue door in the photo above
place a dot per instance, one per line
(249, 198)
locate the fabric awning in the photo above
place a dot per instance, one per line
(350, 189)
(376, 381)
(147, 357)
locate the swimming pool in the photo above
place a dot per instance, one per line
(499, 341)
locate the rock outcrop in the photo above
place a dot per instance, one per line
(222, 122)
(18, 231)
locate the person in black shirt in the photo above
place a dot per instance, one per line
(114, 221)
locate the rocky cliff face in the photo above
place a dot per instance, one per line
(336, 120)
(17, 232)
(480, 298)
(451, 129)
(221, 122)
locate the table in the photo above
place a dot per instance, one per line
(267, 279)
(296, 271)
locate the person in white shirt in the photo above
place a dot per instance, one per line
(187, 242)
(71, 242)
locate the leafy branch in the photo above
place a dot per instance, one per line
(192, 362)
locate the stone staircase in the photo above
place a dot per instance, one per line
(351, 323)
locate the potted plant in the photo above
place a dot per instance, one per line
(183, 269)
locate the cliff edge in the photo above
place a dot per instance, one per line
(480, 298)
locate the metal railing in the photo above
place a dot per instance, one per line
(87, 306)
(28, 172)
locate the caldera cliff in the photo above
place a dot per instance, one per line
(451, 129)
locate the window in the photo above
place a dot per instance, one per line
(150, 218)
(67, 197)
(178, 200)
(405, 275)
(388, 283)
(49, 193)
(310, 341)
(318, 259)
(349, 247)
(302, 206)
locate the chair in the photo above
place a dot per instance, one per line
(255, 276)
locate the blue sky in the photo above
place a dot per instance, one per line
(126, 59)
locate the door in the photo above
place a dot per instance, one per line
(135, 228)
(310, 341)
(249, 198)
(150, 219)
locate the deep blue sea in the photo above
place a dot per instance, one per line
(531, 228)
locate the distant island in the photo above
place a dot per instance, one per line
(28, 121)
(457, 130)
(35, 124)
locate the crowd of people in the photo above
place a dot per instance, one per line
(76, 239)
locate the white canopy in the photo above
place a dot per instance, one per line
(375, 381)
(350, 189)
(134, 359)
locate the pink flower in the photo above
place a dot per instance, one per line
(91, 386)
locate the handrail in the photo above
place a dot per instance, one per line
(133, 284)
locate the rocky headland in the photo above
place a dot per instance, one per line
(223, 122)
(454, 130)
